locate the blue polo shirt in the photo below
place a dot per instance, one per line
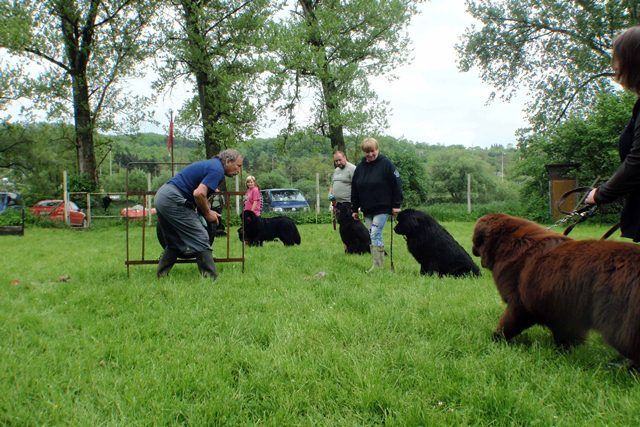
(208, 172)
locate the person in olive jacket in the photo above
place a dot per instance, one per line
(376, 190)
(626, 180)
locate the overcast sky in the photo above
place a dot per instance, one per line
(435, 103)
(431, 101)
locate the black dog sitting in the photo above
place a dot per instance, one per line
(257, 229)
(432, 246)
(353, 233)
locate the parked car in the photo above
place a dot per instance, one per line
(10, 200)
(54, 210)
(283, 200)
(136, 212)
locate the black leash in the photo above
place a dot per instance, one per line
(391, 249)
(582, 213)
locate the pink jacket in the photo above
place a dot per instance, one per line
(253, 194)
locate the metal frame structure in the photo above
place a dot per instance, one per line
(142, 261)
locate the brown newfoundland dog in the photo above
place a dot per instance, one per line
(569, 286)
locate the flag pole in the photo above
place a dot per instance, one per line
(170, 141)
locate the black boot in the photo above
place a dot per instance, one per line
(166, 262)
(206, 265)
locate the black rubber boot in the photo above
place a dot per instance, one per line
(206, 265)
(166, 262)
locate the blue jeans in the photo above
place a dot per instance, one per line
(375, 225)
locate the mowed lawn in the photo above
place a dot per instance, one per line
(302, 337)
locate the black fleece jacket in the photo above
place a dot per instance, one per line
(376, 187)
(626, 180)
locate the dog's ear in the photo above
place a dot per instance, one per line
(247, 216)
(410, 222)
(422, 220)
(478, 238)
(478, 241)
(484, 238)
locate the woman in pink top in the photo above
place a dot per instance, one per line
(252, 198)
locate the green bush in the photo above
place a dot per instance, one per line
(323, 217)
(458, 211)
(10, 217)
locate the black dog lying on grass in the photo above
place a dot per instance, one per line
(353, 233)
(433, 247)
(257, 230)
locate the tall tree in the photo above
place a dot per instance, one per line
(448, 171)
(589, 141)
(69, 58)
(330, 49)
(217, 45)
(560, 50)
(32, 157)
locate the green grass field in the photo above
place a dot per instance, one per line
(302, 337)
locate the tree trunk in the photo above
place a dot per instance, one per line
(78, 43)
(84, 128)
(200, 65)
(336, 130)
(329, 91)
(336, 136)
(209, 115)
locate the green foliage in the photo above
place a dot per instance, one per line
(221, 46)
(459, 212)
(11, 217)
(46, 150)
(331, 49)
(71, 60)
(114, 183)
(80, 183)
(587, 140)
(159, 180)
(308, 188)
(449, 169)
(272, 180)
(559, 50)
(34, 156)
(592, 140)
(414, 178)
(137, 180)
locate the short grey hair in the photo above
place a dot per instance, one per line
(229, 155)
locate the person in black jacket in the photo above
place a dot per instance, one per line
(626, 180)
(376, 190)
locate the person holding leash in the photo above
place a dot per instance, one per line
(181, 201)
(376, 189)
(626, 180)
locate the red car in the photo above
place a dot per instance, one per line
(54, 209)
(136, 212)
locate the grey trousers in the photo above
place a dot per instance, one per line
(180, 224)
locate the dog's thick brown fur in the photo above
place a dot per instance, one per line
(569, 286)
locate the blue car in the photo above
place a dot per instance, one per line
(283, 200)
(9, 200)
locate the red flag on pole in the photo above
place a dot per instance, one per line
(170, 139)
